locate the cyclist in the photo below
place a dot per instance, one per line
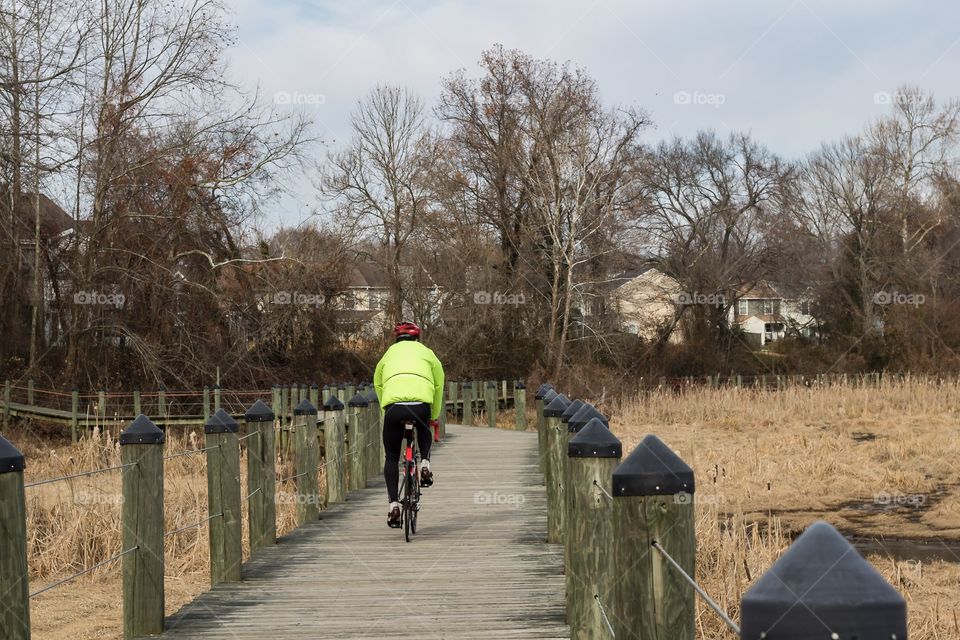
(409, 384)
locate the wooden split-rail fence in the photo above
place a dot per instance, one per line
(113, 410)
(333, 432)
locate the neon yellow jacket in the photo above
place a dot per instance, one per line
(410, 372)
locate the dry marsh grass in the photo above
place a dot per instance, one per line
(879, 463)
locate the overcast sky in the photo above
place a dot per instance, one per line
(792, 73)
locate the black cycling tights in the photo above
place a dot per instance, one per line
(393, 419)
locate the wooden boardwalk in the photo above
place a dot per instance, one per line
(478, 568)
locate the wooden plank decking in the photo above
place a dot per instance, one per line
(478, 568)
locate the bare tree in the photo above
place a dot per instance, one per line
(378, 185)
(707, 204)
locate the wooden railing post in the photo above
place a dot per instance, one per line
(452, 396)
(443, 416)
(469, 395)
(653, 493)
(305, 442)
(206, 403)
(315, 395)
(6, 402)
(520, 405)
(261, 476)
(840, 594)
(282, 408)
(539, 397)
(573, 425)
(31, 395)
(593, 454)
(506, 396)
(136, 403)
(74, 414)
(490, 405)
(102, 408)
(14, 574)
(374, 459)
(359, 441)
(326, 394)
(554, 467)
(141, 447)
(335, 448)
(223, 497)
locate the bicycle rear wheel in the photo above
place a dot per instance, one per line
(415, 503)
(409, 526)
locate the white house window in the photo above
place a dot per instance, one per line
(767, 307)
(742, 307)
(375, 300)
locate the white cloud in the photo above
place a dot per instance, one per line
(793, 73)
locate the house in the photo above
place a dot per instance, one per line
(363, 303)
(56, 227)
(645, 302)
(768, 312)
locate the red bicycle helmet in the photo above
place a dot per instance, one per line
(406, 329)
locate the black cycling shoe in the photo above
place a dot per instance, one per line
(426, 477)
(393, 518)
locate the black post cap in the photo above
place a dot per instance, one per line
(372, 395)
(571, 409)
(326, 386)
(542, 390)
(342, 386)
(821, 587)
(550, 395)
(467, 385)
(491, 385)
(594, 440)
(519, 385)
(221, 422)
(141, 431)
(358, 400)
(555, 408)
(586, 413)
(652, 469)
(11, 459)
(333, 404)
(304, 408)
(259, 411)
(314, 386)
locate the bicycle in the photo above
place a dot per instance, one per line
(410, 501)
